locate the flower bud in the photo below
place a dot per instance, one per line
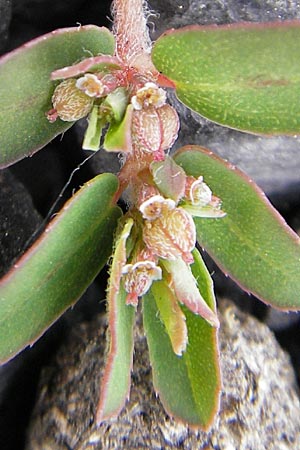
(145, 132)
(70, 103)
(169, 123)
(154, 130)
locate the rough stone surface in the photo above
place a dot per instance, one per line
(259, 407)
(178, 13)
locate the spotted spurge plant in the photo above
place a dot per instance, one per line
(245, 76)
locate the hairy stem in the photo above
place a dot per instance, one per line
(130, 29)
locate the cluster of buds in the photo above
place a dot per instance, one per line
(167, 238)
(168, 233)
(147, 127)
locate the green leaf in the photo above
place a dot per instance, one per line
(26, 88)
(112, 109)
(93, 132)
(169, 178)
(171, 315)
(56, 271)
(117, 373)
(118, 136)
(245, 76)
(188, 386)
(116, 103)
(252, 243)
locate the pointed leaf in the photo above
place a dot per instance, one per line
(203, 211)
(184, 284)
(26, 87)
(116, 379)
(171, 315)
(115, 385)
(245, 76)
(252, 243)
(188, 386)
(56, 271)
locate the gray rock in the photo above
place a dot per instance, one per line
(259, 407)
(178, 13)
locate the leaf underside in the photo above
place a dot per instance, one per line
(245, 76)
(188, 386)
(26, 88)
(252, 243)
(59, 267)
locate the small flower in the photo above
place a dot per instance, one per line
(90, 85)
(69, 103)
(138, 278)
(199, 201)
(171, 235)
(149, 95)
(198, 192)
(154, 207)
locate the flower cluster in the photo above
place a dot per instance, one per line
(162, 198)
(142, 124)
(166, 238)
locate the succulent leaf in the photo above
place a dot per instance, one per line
(244, 76)
(59, 267)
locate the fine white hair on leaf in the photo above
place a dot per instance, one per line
(130, 28)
